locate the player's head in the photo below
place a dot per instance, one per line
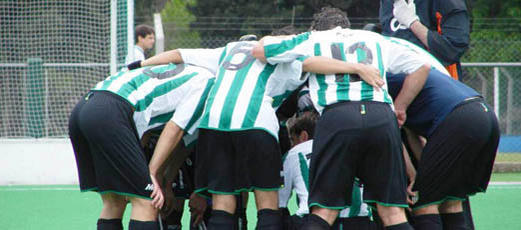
(329, 18)
(286, 30)
(144, 36)
(302, 128)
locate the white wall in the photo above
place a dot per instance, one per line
(37, 161)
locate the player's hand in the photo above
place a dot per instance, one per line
(157, 195)
(401, 116)
(370, 75)
(405, 12)
(412, 196)
(197, 206)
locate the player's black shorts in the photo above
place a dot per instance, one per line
(231, 162)
(357, 139)
(357, 222)
(107, 148)
(458, 158)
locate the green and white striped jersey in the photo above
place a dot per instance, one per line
(355, 46)
(424, 54)
(246, 91)
(162, 93)
(296, 178)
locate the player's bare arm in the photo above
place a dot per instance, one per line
(412, 85)
(169, 138)
(325, 65)
(411, 175)
(170, 170)
(171, 56)
(421, 32)
(258, 51)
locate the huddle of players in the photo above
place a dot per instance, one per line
(230, 94)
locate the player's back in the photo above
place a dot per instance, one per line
(245, 89)
(155, 92)
(440, 95)
(424, 54)
(355, 46)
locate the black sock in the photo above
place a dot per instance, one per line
(314, 222)
(222, 220)
(427, 222)
(402, 226)
(269, 219)
(454, 221)
(143, 225)
(110, 224)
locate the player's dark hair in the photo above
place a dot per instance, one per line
(286, 30)
(305, 122)
(329, 18)
(142, 31)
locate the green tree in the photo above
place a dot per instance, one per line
(496, 31)
(229, 19)
(176, 25)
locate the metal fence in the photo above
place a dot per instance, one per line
(60, 86)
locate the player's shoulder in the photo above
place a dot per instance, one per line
(291, 155)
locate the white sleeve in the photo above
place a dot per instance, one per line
(138, 56)
(401, 59)
(288, 49)
(285, 192)
(207, 58)
(188, 113)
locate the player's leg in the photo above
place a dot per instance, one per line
(112, 212)
(381, 154)
(215, 173)
(325, 214)
(223, 212)
(268, 214)
(455, 164)
(455, 214)
(120, 163)
(143, 215)
(258, 161)
(333, 164)
(113, 205)
(427, 217)
(452, 215)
